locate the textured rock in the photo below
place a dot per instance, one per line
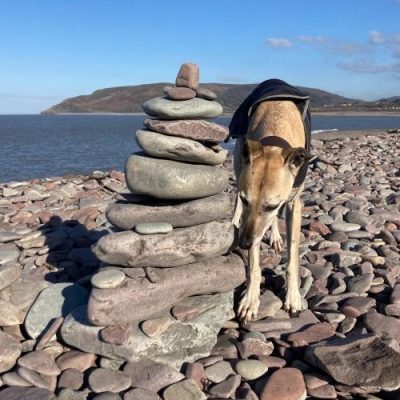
(8, 254)
(118, 334)
(10, 315)
(8, 274)
(269, 305)
(363, 361)
(383, 325)
(153, 228)
(164, 108)
(179, 247)
(166, 179)
(180, 342)
(227, 388)
(21, 393)
(312, 334)
(10, 350)
(180, 93)
(107, 279)
(105, 380)
(285, 384)
(179, 149)
(195, 212)
(141, 394)
(188, 76)
(184, 390)
(204, 131)
(55, 301)
(150, 375)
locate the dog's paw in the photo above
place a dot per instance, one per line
(293, 301)
(248, 307)
(276, 243)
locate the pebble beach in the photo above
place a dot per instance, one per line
(350, 282)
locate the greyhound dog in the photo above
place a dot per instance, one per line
(270, 164)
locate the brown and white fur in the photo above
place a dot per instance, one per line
(265, 176)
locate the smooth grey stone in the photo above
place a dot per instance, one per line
(10, 350)
(167, 179)
(6, 236)
(53, 302)
(181, 342)
(26, 393)
(179, 149)
(344, 227)
(250, 369)
(178, 247)
(205, 93)
(356, 217)
(360, 284)
(182, 214)
(8, 253)
(152, 228)
(9, 273)
(108, 279)
(184, 390)
(164, 108)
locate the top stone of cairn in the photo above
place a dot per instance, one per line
(188, 76)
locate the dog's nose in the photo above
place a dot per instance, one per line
(245, 243)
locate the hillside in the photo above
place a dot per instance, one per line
(128, 99)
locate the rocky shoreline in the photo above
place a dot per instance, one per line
(346, 345)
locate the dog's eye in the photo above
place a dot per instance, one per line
(244, 201)
(270, 208)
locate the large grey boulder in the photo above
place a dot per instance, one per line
(166, 179)
(179, 149)
(162, 107)
(363, 361)
(178, 247)
(143, 298)
(180, 342)
(195, 212)
(53, 302)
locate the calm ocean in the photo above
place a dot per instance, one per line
(37, 146)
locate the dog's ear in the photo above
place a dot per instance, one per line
(296, 157)
(251, 149)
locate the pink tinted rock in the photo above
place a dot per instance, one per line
(75, 359)
(314, 333)
(254, 347)
(196, 372)
(285, 384)
(117, 334)
(71, 378)
(188, 76)
(40, 362)
(180, 93)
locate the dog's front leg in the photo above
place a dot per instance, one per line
(276, 241)
(237, 216)
(248, 306)
(293, 301)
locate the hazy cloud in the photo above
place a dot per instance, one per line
(280, 43)
(376, 37)
(335, 46)
(370, 67)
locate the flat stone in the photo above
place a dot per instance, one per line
(8, 254)
(155, 326)
(105, 380)
(176, 248)
(150, 375)
(312, 334)
(269, 305)
(360, 284)
(40, 362)
(179, 149)
(226, 389)
(117, 334)
(164, 108)
(180, 93)
(269, 324)
(107, 279)
(205, 93)
(356, 306)
(6, 237)
(71, 379)
(196, 372)
(383, 325)
(272, 362)
(195, 212)
(10, 350)
(29, 393)
(285, 384)
(152, 228)
(203, 131)
(141, 394)
(344, 227)
(55, 301)
(250, 369)
(364, 361)
(184, 390)
(10, 315)
(219, 371)
(34, 378)
(181, 342)
(13, 379)
(166, 179)
(355, 217)
(69, 394)
(188, 76)
(254, 347)
(75, 359)
(323, 392)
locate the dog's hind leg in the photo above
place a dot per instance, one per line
(275, 240)
(293, 301)
(250, 301)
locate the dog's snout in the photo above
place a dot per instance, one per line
(245, 243)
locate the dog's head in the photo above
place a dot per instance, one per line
(265, 184)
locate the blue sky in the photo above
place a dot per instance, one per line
(51, 50)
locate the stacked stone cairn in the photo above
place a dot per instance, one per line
(165, 288)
